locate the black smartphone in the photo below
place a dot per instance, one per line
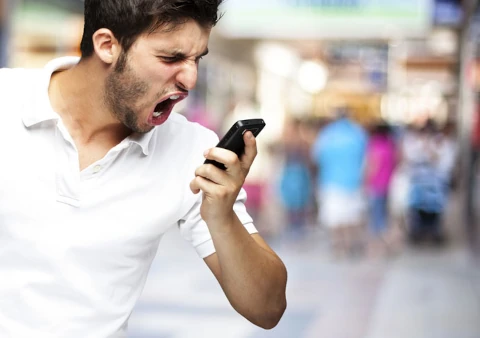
(233, 139)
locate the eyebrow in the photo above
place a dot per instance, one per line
(181, 55)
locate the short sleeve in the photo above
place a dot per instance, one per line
(195, 230)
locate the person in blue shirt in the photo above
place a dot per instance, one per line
(295, 182)
(339, 153)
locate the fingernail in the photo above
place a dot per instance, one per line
(250, 135)
(205, 153)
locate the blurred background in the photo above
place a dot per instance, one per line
(367, 179)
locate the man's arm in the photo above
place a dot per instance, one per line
(250, 273)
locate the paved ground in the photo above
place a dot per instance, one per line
(422, 293)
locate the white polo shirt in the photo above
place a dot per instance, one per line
(76, 247)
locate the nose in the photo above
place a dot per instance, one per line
(187, 76)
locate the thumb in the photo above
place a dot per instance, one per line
(250, 149)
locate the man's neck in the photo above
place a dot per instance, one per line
(76, 95)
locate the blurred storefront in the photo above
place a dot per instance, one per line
(4, 30)
(390, 59)
(43, 29)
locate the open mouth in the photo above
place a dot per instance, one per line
(163, 109)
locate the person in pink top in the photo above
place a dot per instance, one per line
(381, 161)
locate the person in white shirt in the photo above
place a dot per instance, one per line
(96, 168)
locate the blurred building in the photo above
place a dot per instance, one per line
(4, 31)
(43, 29)
(392, 59)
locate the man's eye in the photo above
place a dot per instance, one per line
(169, 59)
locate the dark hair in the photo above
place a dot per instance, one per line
(381, 128)
(128, 19)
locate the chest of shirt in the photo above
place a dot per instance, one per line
(123, 203)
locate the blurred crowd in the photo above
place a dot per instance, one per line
(371, 187)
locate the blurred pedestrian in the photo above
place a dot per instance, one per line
(448, 150)
(295, 184)
(380, 164)
(398, 194)
(339, 153)
(428, 187)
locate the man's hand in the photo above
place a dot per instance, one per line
(252, 276)
(221, 187)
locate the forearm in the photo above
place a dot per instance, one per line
(253, 278)
(250, 273)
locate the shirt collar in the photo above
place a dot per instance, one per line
(39, 109)
(143, 140)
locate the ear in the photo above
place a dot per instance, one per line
(106, 46)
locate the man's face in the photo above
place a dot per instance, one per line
(156, 73)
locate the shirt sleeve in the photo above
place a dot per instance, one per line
(195, 230)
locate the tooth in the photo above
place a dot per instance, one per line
(174, 97)
(157, 114)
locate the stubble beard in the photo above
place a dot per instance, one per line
(123, 89)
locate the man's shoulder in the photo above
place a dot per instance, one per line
(15, 73)
(8, 75)
(12, 79)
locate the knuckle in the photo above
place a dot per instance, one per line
(197, 181)
(231, 161)
(222, 193)
(210, 168)
(233, 189)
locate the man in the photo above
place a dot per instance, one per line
(339, 153)
(101, 168)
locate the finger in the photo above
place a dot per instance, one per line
(250, 149)
(225, 156)
(200, 183)
(212, 173)
(194, 187)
